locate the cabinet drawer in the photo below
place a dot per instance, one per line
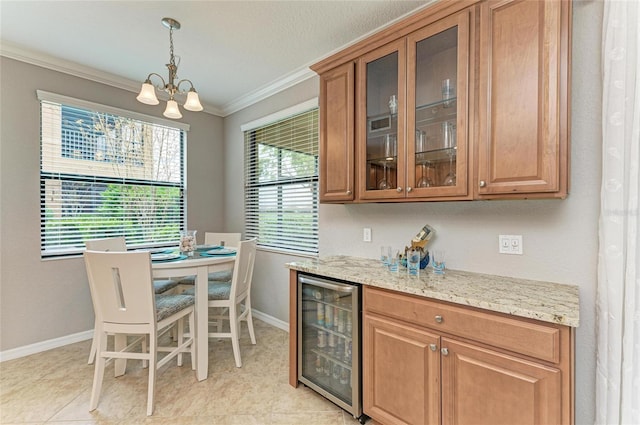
(518, 335)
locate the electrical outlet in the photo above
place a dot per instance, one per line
(510, 244)
(366, 234)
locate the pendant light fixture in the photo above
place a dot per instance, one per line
(148, 91)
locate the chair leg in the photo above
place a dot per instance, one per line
(94, 348)
(153, 367)
(234, 325)
(120, 344)
(98, 375)
(180, 325)
(249, 319)
(192, 332)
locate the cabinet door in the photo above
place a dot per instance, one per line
(337, 134)
(438, 75)
(523, 99)
(381, 122)
(401, 373)
(481, 386)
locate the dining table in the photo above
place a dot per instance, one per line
(198, 264)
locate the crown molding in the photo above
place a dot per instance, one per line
(44, 60)
(268, 90)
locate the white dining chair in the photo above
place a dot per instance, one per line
(122, 291)
(234, 300)
(119, 244)
(222, 239)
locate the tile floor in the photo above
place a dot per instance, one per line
(54, 387)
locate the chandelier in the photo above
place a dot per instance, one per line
(148, 91)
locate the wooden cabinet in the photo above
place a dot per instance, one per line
(413, 93)
(523, 146)
(401, 372)
(429, 362)
(483, 386)
(337, 134)
(462, 100)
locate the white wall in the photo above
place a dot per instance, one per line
(44, 300)
(560, 236)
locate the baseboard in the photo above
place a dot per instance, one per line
(270, 320)
(39, 347)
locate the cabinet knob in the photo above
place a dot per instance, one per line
(439, 319)
(349, 192)
(483, 183)
(409, 189)
(433, 347)
(444, 351)
(399, 189)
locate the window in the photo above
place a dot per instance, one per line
(107, 172)
(281, 183)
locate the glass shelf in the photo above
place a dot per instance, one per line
(436, 155)
(431, 113)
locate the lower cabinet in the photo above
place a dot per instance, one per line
(421, 367)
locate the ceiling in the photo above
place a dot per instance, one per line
(235, 52)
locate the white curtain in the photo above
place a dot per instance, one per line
(618, 295)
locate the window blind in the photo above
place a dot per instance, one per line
(105, 174)
(281, 183)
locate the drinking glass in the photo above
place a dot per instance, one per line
(437, 260)
(413, 262)
(448, 91)
(450, 179)
(389, 145)
(393, 104)
(384, 254)
(425, 180)
(394, 259)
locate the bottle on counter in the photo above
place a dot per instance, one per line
(319, 368)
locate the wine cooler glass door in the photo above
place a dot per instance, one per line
(327, 331)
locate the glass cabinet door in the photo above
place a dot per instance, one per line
(381, 141)
(437, 79)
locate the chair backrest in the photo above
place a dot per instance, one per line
(243, 269)
(226, 239)
(121, 287)
(116, 244)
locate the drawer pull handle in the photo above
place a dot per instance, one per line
(399, 189)
(439, 319)
(433, 347)
(483, 183)
(349, 192)
(444, 351)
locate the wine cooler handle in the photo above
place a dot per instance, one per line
(328, 285)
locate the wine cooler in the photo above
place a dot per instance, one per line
(329, 340)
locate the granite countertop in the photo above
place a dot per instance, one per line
(545, 301)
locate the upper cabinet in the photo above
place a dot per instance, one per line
(462, 100)
(336, 132)
(413, 93)
(523, 99)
